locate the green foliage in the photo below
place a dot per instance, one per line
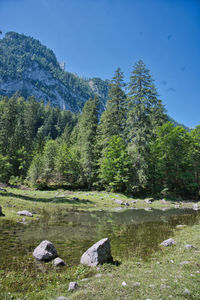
(113, 118)
(115, 165)
(145, 113)
(170, 164)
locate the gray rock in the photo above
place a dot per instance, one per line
(126, 203)
(73, 286)
(45, 251)
(99, 253)
(119, 201)
(185, 262)
(186, 292)
(188, 246)
(168, 242)
(180, 226)
(1, 213)
(195, 206)
(118, 208)
(61, 298)
(25, 213)
(134, 201)
(149, 200)
(136, 284)
(98, 275)
(177, 206)
(148, 208)
(59, 262)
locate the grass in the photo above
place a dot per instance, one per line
(162, 276)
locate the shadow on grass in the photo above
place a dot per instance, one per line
(55, 200)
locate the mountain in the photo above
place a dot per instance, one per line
(28, 67)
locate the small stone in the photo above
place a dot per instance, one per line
(75, 198)
(188, 246)
(25, 213)
(136, 284)
(148, 201)
(124, 283)
(72, 286)
(148, 209)
(119, 201)
(163, 286)
(185, 262)
(177, 206)
(152, 286)
(195, 207)
(98, 275)
(118, 208)
(168, 242)
(61, 298)
(58, 262)
(186, 292)
(180, 226)
(134, 201)
(126, 204)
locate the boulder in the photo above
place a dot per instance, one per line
(119, 201)
(73, 286)
(25, 213)
(99, 253)
(45, 251)
(168, 242)
(59, 262)
(1, 213)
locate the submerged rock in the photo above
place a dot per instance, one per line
(45, 251)
(168, 242)
(25, 213)
(99, 253)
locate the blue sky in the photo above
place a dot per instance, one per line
(94, 37)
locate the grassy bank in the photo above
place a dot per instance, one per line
(19, 199)
(162, 276)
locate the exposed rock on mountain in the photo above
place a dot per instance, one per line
(28, 67)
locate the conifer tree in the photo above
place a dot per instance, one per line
(86, 139)
(113, 118)
(144, 114)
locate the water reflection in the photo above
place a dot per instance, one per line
(132, 233)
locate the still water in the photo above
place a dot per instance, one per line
(132, 233)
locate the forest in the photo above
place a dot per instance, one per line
(131, 148)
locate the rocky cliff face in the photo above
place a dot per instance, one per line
(28, 67)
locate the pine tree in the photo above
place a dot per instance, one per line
(113, 118)
(144, 114)
(86, 139)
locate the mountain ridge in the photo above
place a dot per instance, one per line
(28, 67)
